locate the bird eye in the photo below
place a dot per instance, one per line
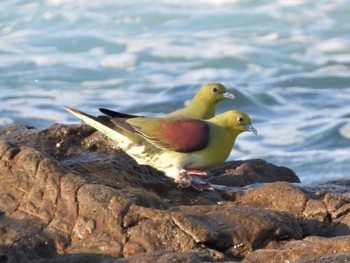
(214, 89)
(240, 119)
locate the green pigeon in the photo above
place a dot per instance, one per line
(202, 106)
(180, 147)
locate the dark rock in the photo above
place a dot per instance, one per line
(68, 194)
(237, 230)
(241, 173)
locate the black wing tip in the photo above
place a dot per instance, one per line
(115, 114)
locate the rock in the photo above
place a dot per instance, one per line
(277, 196)
(68, 194)
(237, 230)
(241, 173)
(215, 227)
(339, 258)
(317, 210)
(163, 256)
(303, 250)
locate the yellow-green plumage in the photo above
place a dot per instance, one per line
(203, 104)
(151, 140)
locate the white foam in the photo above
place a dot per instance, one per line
(284, 137)
(205, 75)
(156, 79)
(331, 45)
(97, 51)
(345, 131)
(6, 121)
(119, 61)
(217, 2)
(44, 60)
(47, 114)
(273, 36)
(49, 15)
(102, 83)
(291, 2)
(128, 20)
(141, 43)
(336, 68)
(203, 50)
(75, 3)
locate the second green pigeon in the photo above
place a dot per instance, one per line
(202, 105)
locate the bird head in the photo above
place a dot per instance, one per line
(214, 92)
(236, 121)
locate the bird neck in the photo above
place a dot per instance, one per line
(200, 108)
(223, 140)
(225, 123)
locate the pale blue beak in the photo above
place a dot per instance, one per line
(228, 95)
(250, 128)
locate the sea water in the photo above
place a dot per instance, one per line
(287, 62)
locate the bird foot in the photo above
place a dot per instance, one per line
(200, 185)
(192, 178)
(192, 172)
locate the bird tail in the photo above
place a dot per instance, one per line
(103, 125)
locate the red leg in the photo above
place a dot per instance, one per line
(193, 172)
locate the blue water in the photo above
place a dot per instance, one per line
(287, 62)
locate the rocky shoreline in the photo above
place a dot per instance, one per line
(69, 195)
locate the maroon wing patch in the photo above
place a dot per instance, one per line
(185, 135)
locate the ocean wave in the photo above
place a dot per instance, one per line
(287, 62)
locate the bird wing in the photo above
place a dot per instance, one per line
(117, 119)
(184, 135)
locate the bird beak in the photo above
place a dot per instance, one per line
(228, 95)
(251, 129)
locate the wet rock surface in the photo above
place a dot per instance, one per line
(68, 194)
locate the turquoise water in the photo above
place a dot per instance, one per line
(288, 63)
